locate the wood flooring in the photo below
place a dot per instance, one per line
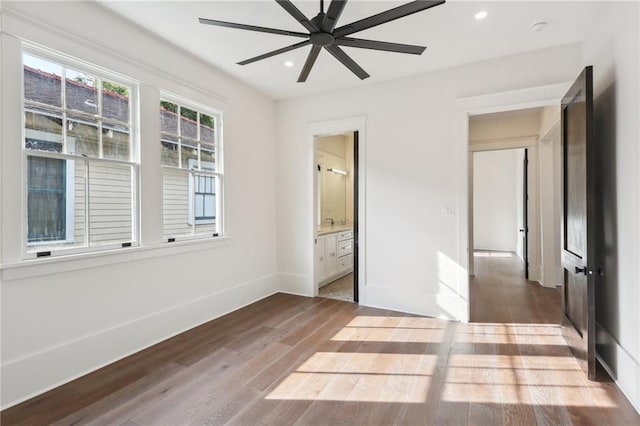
(500, 293)
(313, 361)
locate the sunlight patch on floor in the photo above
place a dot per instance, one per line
(369, 363)
(361, 376)
(392, 329)
(398, 335)
(352, 387)
(394, 322)
(565, 363)
(510, 328)
(492, 254)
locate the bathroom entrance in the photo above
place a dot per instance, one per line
(336, 216)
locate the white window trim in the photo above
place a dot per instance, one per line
(28, 251)
(219, 172)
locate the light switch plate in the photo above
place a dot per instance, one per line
(449, 210)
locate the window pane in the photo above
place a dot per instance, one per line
(110, 203)
(207, 126)
(43, 132)
(115, 101)
(188, 123)
(205, 205)
(115, 142)
(175, 203)
(169, 156)
(210, 206)
(80, 92)
(168, 117)
(42, 81)
(55, 203)
(189, 154)
(207, 157)
(82, 137)
(199, 206)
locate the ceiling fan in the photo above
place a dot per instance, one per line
(322, 32)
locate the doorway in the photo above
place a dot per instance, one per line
(336, 216)
(511, 180)
(500, 200)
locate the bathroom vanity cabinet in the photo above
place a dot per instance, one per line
(334, 256)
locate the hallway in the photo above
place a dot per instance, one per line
(499, 293)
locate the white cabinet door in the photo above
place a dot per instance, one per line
(331, 255)
(320, 259)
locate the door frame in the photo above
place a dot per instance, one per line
(331, 128)
(495, 102)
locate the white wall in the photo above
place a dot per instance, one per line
(64, 317)
(414, 261)
(495, 200)
(612, 47)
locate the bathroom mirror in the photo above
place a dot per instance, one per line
(335, 180)
(332, 182)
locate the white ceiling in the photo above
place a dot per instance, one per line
(449, 31)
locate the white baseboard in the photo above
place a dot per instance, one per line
(440, 305)
(35, 373)
(298, 284)
(626, 373)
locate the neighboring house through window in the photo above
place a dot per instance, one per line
(202, 193)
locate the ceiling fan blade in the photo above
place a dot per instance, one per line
(389, 15)
(340, 55)
(297, 15)
(380, 45)
(250, 27)
(308, 64)
(333, 14)
(274, 52)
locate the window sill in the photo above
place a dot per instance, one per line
(73, 262)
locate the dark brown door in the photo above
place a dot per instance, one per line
(580, 245)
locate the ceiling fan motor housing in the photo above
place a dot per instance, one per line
(322, 39)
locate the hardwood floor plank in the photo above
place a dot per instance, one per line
(295, 360)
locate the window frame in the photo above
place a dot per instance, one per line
(30, 250)
(217, 173)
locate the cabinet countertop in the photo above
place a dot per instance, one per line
(325, 230)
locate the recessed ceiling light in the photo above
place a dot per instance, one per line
(288, 64)
(538, 26)
(481, 15)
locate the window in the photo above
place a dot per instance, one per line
(80, 164)
(192, 174)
